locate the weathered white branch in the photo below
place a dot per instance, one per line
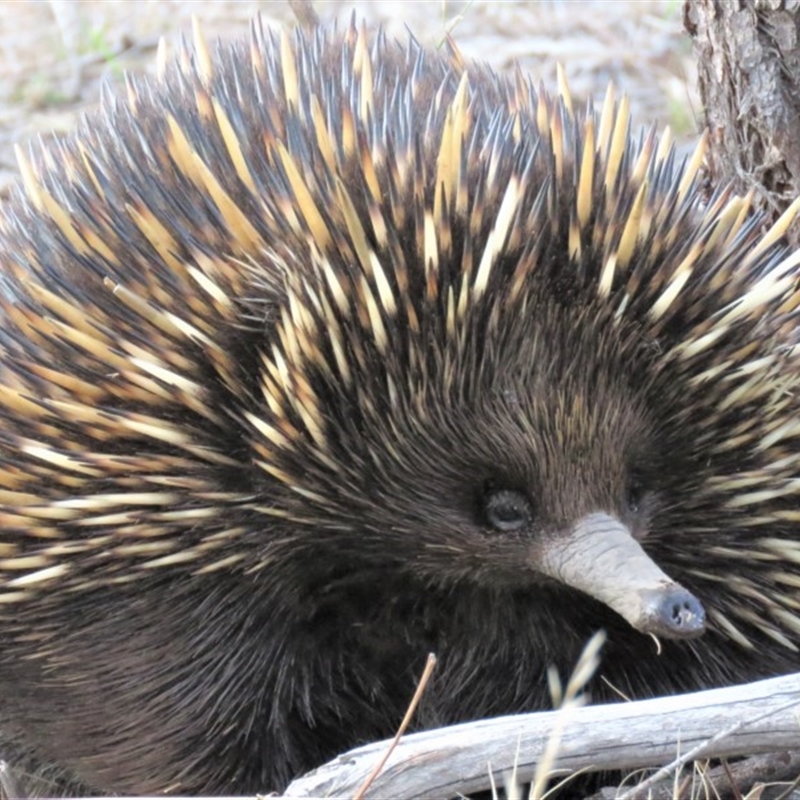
(762, 717)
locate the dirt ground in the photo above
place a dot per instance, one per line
(56, 54)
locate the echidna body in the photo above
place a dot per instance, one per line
(320, 353)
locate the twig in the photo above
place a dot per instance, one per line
(412, 707)
(694, 753)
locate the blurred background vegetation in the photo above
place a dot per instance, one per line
(56, 54)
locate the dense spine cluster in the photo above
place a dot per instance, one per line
(268, 320)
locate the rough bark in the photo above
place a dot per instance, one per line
(748, 54)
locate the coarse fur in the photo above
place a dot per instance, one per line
(273, 326)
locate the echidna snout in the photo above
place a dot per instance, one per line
(673, 611)
(599, 556)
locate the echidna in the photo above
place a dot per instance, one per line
(322, 352)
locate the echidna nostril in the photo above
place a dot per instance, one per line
(680, 614)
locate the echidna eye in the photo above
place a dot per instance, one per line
(507, 510)
(635, 494)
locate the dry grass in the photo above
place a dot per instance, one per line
(54, 54)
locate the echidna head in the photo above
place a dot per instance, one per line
(477, 369)
(518, 448)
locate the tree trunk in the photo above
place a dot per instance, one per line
(749, 77)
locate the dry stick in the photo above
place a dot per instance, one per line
(743, 776)
(694, 753)
(412, 707)
(731, 782)
(613, 737)
(778, 767)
